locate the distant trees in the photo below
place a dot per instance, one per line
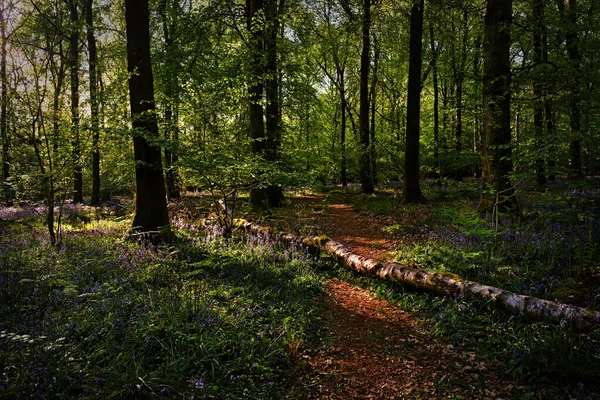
(297, 93)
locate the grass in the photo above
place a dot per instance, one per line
(555, 362)
(552, 251)
(100, 317)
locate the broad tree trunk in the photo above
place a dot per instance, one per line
(94, 113)
(254, 8)
(497, 146)
(412, 189)
(74, 68)
(366, 173)
(151, 215)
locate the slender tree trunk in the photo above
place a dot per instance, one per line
(4, 106)
(344, 106)
(172, 98)
(74, 68)
(151, 215)
(496, 146)
(373, 152)
(94, 113)
(274, 193)
(436, 103)
(538, 108)
(366, 174)
(460, 78)
(412, 189)
(575, 170)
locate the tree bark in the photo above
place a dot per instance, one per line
(151, 215)
(258, 196)
(94, 109)
(274, 193)
(439, 283)
(436, 107)
(538, 108)
(496, 146)
(366, 173)
(412, 188)
(74, 71)
(572, 38)
(373, 94)
(4, 106)
(344, 106)
(172, 99)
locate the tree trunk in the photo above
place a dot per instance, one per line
(575, 171)
(74, 68)
(412, 189)
(274, 193)
(440, 283)
(436, 102)
(4, 107)
(172, 98)
(151, 215)
(344, 106)
(94, 113)
(373, 152)
(366, 173)
(538, 109)
(254, 8)
(496, 146)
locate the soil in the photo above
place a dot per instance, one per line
(376, 349)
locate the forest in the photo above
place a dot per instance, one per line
(276, 199)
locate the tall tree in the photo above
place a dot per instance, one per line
(538, 107)
(496, 146)
(151, 215)
(4, 95)
(263, 26)
(412, 188)
(366, 172)
(94, 109)
(273, 10)
(254, 8)
(169, 25)
(572, 41)
(74, 75)
(436, 103)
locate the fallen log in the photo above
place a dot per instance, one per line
(440, 283)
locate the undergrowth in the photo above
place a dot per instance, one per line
(551, 250)
(101, 317)
(554, 361)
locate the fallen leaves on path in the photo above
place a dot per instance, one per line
(377, 351)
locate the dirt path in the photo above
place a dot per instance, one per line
(377, 350)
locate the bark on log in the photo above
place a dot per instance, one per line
(440, 283)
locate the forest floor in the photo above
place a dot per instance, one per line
(375, 349)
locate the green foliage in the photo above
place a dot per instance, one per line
(100, 317)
